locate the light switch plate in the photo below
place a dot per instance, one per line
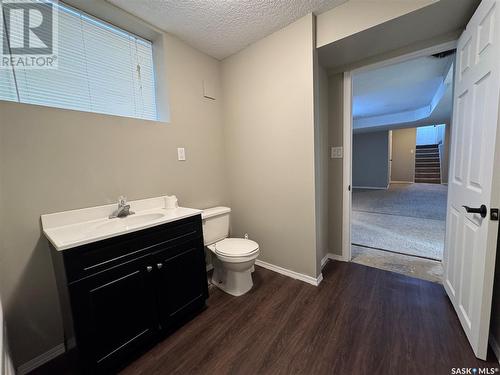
(336, 152)
(181, 154)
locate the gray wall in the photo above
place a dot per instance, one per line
(55, 160)
(370, 160)
(269, 136)
(403, 155)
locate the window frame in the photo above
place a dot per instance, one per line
(112, 16)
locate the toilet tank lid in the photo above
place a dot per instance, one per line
(214, 211)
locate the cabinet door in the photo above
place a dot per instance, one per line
(182, 286)
(114, 313)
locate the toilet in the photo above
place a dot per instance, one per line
(232, 258)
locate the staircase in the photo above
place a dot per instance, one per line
(427, 164)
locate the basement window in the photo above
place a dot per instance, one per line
(100, 68)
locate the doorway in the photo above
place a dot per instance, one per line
(474, 172)
(400, 153)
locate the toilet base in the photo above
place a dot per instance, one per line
(233, 278)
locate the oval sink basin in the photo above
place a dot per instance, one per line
(113, 225)
(122, 224)
(142, 219)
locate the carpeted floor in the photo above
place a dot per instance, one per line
(406, 218)
(427, 201)
(408, 235)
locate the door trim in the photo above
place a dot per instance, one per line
(347, 168)
(347, 132)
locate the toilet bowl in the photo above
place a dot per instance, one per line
(233, 259)
(233, 264)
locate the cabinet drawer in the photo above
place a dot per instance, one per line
(90, 259)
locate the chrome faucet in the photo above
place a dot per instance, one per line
(123, 209)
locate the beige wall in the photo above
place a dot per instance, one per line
(322, 157)
(355, 16)
(269, 136)
(335, 180)
(403, 155)
(56, 160)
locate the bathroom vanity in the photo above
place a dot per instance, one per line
(126, 283)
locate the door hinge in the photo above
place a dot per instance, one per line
(494, 214)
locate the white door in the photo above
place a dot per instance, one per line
(471, 239)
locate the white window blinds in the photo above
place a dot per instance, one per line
(101, 68)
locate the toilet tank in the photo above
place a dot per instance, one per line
(215, 224)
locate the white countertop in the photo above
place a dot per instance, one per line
(74, 228)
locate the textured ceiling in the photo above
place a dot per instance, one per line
(221, 28)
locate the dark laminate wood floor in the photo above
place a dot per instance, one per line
(360, 320)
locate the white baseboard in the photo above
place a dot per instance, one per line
(294, 275)
(324, 260)
(332, 256)
(370, 187)
(340, 258)
(41, 359)
(495, 346)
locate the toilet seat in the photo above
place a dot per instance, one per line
(235, 247)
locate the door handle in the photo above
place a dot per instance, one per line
(149, 268)
(481, 210)
(159, 265)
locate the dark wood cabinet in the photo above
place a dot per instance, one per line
(114, 313)
(122, 294)
(183, 290)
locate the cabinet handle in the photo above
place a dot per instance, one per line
(149, 268)
(159, 265)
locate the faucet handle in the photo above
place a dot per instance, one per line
(122, 200)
